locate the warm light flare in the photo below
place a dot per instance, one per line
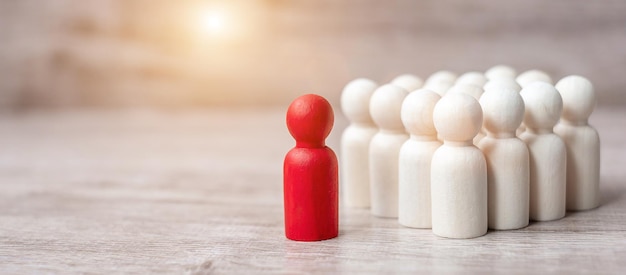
(221, 25)
(214, 22)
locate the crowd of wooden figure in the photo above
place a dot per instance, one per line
(464, 154)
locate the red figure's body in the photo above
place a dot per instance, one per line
(310, 172)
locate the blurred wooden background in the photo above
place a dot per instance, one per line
(128, 53)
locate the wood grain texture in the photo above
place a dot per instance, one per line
(143, 192)
(96, 53)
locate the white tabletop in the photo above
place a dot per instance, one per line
(201, 192)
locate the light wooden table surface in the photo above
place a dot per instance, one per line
(201, 192)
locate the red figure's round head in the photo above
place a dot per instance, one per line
(310, 119)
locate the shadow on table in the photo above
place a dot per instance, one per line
(610, 193)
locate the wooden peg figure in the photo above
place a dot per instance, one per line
(355, 142)
(408, 82)
(476, 92)
(500, 72)
(467, 88)
(384, 152)
(474, 78)
(458, 170)
(507, 159)
(440, 81)
(415, 157)
(528, 77)
(506, 83)
(582, 143)
(310, 175)
(543, 106)
(498, 83)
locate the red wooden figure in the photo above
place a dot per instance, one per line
(310, 172)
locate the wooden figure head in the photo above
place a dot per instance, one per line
(310, 119)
